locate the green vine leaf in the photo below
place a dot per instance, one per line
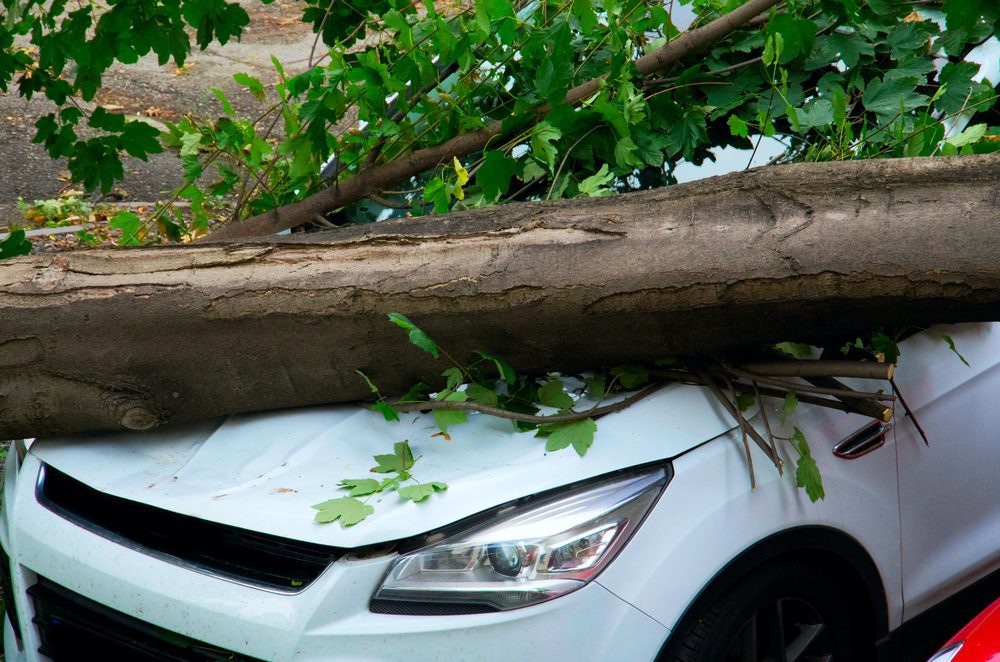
(552, 394)
(578, 434)
(951, 345)
(400, 461)
(445, 418)
(361, 486)
(420, 491)
(788, 406)
(807, 474)
(630, 376)
(506, 372)
(347, 510)
(416, 335)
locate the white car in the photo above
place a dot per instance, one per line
(198, 542)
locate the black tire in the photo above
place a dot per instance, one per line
(790, 612)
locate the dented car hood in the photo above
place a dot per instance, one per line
(264, 471)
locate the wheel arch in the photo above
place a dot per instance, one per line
(825, 545)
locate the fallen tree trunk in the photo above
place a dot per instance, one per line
(134, 338)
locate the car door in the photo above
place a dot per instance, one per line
(949, 488)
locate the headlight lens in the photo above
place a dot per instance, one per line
(526, 554)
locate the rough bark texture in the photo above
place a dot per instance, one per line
(133, 338)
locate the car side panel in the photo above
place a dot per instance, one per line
(949, 488)
(708, 515)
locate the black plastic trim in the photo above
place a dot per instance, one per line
(240, 555)
(72, 627)
(7, 584)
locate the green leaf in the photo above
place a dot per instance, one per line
(100, 118)
(388, 412)
(14, 245)
(962, 14)
(348, 510)
(401, 460)
(252, 83)
(737, 127)
(552, 80)
(958, 88)
(553, 395)
(493, 177)
(630, 376)
(543, 135)
(886, 346)
(796, 36)
(481, 395)
(361, 486)
(796, 349)
(816, 113)
(583, 11)
(417, 336)
(420, 491)
(130, 225)
(506, 372)
(627, 153)
(446, 417)
(951, 345)
(807, 474)
(789, 406)
(745, 400)
(227, 107)
(438, 193)
(578, 434)
(140, 140)
(908, 37)
(596, 386)
(597, 184)
(454, 377)
(891, 96)
(371, 384)
(968, 136)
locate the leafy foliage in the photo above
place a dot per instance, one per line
(350, 509)
(832, 80)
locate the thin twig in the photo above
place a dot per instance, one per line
(735, 413)
(767, 428)
(793, 386)
(909, 413)
(743, 430)
(451, 405)
(821, 368)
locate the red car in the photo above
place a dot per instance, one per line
(979, 641)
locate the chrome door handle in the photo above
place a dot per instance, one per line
(862, 442)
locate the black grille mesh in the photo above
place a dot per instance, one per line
(72, 627)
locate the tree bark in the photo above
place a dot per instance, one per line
(134, 338)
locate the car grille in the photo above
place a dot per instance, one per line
(7, 586)
(249, 557)
(71, 627)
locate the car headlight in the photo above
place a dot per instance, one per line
(525, 553)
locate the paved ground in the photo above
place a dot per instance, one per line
(160, 93)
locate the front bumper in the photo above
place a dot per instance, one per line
(329, 620)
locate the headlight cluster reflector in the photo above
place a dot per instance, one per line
(525, 554)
